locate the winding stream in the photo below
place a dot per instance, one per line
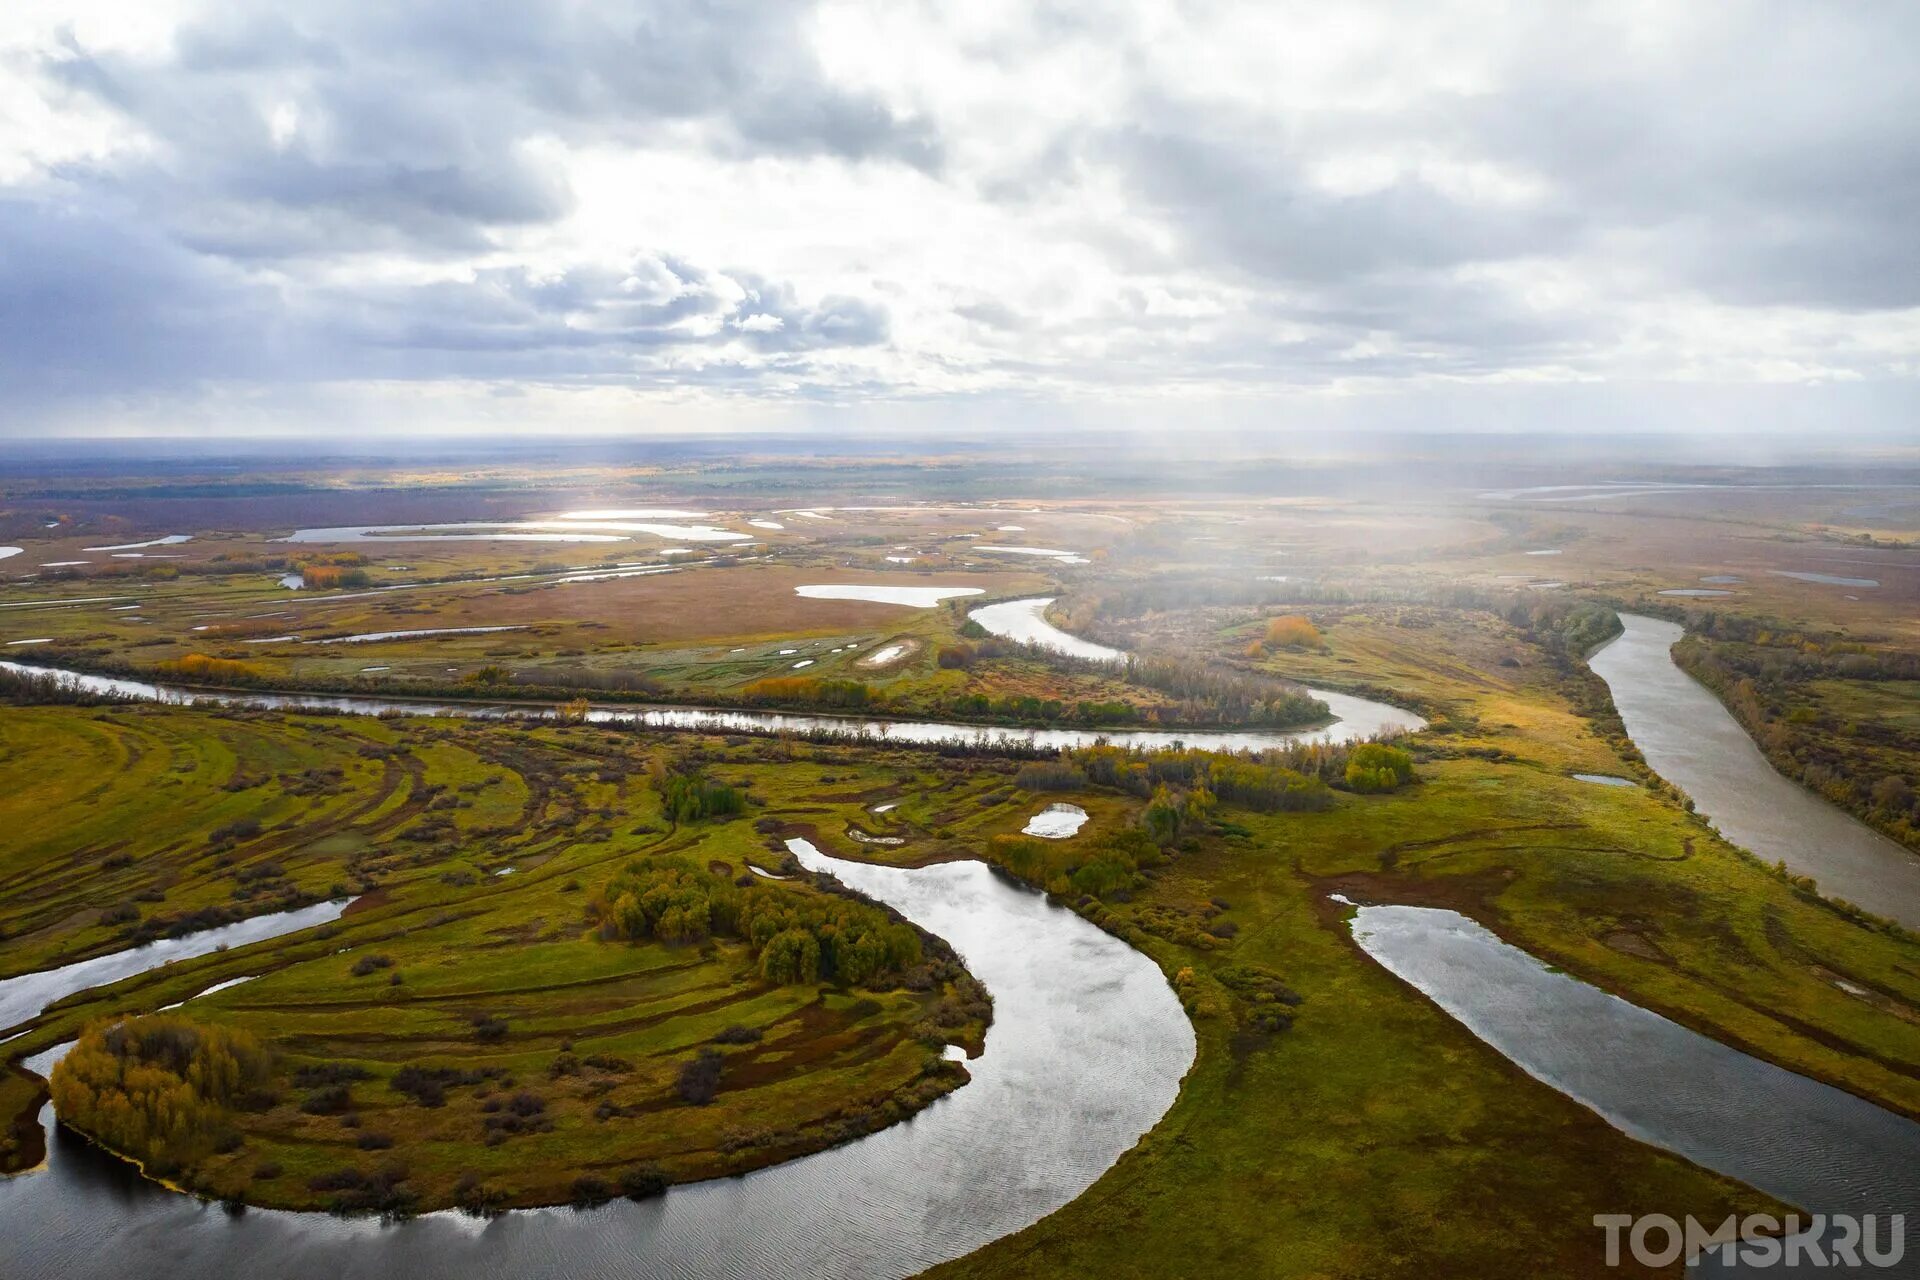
(1086, 1052)
(1354, 718)
(26, 995)
(1694, 742)
(1358, 718)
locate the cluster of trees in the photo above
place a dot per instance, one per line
(1213, 694)
(796, 936)
(980, 647)
(1183, 786)
(43, 688)
(205, 668)
(1026, 708)
(1565, 628)
(691, 797)
(809, 691)
(1173, 814)
(1252, 782)
(162, 1088)
(1050, 775)
(1375, 766)
(1288, 631)
(1068, 868)
(1203, 693)
(1767, 678)
(1781, 652)
(333, 569)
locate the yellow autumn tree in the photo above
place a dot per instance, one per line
(159, 1089)
(1291, 631)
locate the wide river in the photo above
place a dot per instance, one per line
(1694, 742)
(1807, 1143)
(1086, 1053)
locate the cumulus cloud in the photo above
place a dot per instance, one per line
(883, 201)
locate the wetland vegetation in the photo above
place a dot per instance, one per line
(584, 961)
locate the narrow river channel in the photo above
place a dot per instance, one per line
(1356, 718)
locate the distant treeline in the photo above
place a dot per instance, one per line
(42, 688)
(1098, 614)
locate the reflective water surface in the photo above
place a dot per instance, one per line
(1694, 742)
(24, 996)
(1357, 718)
(1801, 1141)
(1086, 1052)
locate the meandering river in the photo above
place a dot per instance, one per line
(1805, 1142)
(1354, 718)
(26, 995)
(1694, 742)
(1357, 718)
(1086, 1053)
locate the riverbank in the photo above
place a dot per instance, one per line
(1258, 1168)
(1087, 1050)
(1689, 738)
(479, 856)
(1359, 718)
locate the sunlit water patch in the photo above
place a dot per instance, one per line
(915, 597)
(1026, 622)
(171, 540)
(1050, 553)
(1825, 579)
(1056, 822)
(367, 637)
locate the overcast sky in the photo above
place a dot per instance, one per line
(512, 216)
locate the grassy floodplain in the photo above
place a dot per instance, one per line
(476, 850)
(1363, 1133)
(1350, 1140)
(1376, 1136)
